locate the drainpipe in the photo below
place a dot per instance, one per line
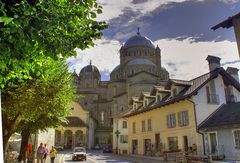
(195, 115)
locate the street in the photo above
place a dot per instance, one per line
(93, 156)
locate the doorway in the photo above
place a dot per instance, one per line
(134, 146)
(147, 146)
(157, 141)
(213, 142)
(185, 143)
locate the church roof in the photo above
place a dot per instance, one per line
(74, 122)
(138, 40)
(90, 68)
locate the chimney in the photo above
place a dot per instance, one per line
(213, 62)
(233, 72)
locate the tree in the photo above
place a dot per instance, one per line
(42, 123)
(30, 32)
(48, 95)
(29, 28)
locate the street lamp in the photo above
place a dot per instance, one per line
(117, 134)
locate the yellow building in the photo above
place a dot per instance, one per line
(167, 117)
(162, 129)
(78, 131)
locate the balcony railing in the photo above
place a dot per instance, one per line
(212, 99)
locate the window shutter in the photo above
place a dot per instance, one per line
(179, 119)
(174, 120)
(168, 121)
(187, 118)
(208, 94)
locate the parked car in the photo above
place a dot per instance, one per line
(59, 147)
(97, 147)
(107, 149)
(79, 153)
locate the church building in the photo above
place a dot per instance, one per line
(140, 68)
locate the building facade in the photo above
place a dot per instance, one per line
(168, 118)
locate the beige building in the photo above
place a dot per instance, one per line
(140, 68)
(79, 131)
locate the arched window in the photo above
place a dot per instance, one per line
(57, 137)
(79, 138)
(102, 117)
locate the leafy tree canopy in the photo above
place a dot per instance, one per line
(48, 96)
(33, 28)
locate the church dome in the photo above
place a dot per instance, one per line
(138, 40)
(140, 61)
(90, 68)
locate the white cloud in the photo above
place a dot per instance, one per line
(104, 55)
(188, 57)
(229, 1)
(114, 8)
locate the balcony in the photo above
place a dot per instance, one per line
(212, 99)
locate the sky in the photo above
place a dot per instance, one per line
(181, 29)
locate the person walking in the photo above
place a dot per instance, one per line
(53, 154)
(40, 153)
(46, 152)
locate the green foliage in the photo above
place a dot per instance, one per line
(33, 28)
(48, 95)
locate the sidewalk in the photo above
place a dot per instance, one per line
(140, 158)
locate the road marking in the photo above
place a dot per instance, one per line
(92, 160)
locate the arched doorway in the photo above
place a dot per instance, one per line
(68, 139)
(79, 140)
(57, 137)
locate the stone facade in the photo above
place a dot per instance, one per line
(140, 68)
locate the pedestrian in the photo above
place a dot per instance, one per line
(53, 154)
(46, 152)
(40, 153)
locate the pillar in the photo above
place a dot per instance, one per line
(73, 140)
(62, 138)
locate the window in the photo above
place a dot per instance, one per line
(123, 139)
(102, 117)
(134, 127)
(149, 125)
(183, 118)
(143, 126)
(171, 120)
(174, 91)
(145, 102)
(211, 97)
(114, 108)
(135, 106)
(173, 143)
(158, 97)
(114, 91)
(236, 135)
(124, 124)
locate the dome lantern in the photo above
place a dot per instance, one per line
(138, 40)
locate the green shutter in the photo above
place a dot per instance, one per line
(180, 119)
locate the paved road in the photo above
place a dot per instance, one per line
(92, 157)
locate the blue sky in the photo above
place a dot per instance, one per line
(181, 28)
